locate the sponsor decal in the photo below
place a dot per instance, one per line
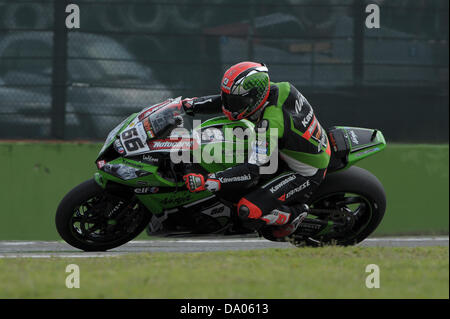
(353, 137)
(307, 118)
(150, 159)
(310, 226)
(142, 183)
(123, 171)
(261, 147)
(319, 132)
(115, 209)
(146, 190)
(322, 142)
(100, 164)
(127, 162)
(140, 173)
(367, 152)
(168, 144)
(242, 178)
(298, 106)
(211, 135)
(273, 189)
(298, 189)
(225, 84)
(217, 211)
(152, 109)
(176, 200)
(312, 127)
(133, 140)
(333, 142)
(148, 128)
(118, 147)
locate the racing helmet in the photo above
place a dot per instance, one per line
(244, 89)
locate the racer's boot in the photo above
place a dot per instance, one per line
(297, 216)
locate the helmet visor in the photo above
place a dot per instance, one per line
(236, 103)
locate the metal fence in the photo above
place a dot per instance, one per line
(59, 83)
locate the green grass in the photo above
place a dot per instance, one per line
(331, 272)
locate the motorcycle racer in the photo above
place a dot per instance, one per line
(301, 144)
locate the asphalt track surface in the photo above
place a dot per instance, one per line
(48, 249)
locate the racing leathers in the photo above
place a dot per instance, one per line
(290, 135)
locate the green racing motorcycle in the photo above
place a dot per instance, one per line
(138, 186)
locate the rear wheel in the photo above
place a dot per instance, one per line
(91, 219)
(358, 201)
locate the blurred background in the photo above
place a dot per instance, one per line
(59, 87)
(57, 83)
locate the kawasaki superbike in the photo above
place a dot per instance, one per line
(138, 186)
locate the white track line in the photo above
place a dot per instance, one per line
(408, 239)
(181, 241)
(19, 243)
(400, 239)
(59, 256)
(225, 240)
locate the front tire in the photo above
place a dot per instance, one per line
(91, 219)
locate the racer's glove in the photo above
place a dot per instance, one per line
(194, 182)
(188, 105)
(197, 183)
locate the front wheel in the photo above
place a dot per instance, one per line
(92, 219)
(359, 195)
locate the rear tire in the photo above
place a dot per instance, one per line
(81, 195)
(357, 181)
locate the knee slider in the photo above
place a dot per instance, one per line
(243, 212)
(247, 209)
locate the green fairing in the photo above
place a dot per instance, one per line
(153, 179)
(365, 150)
(228, 155)
(123, 125)
(157, 203)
